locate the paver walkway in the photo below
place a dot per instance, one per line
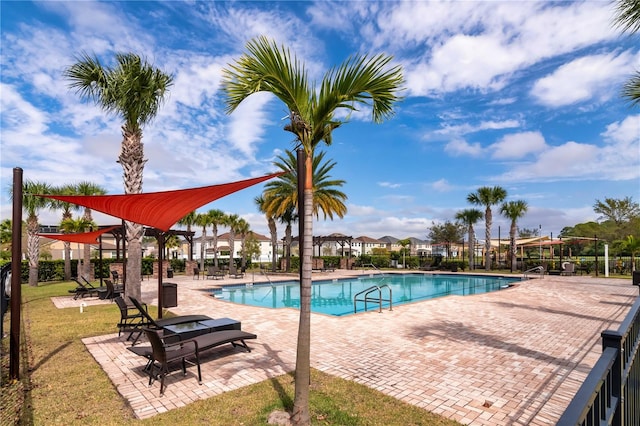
(513, 357)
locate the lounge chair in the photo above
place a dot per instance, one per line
(83, 289)
(233, 272)
(196, 273)
(113, 291)
(215, 273)
(203, 343)
(160, 323)
(163, 353)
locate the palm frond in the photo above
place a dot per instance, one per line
(631, 89)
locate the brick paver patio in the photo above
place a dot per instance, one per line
(513, 357)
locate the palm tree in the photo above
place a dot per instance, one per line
(216, 218)
(628, 18)
(513, 210)
(189, 220)
(32, 205)
(132, 90)
(282, 193)
(243, 229)
(232, 221)
(273, 230)
(487, 196)
(633, 245)
(404, 243)
(288, 218)
(88, 188)
(469, 217)
(67, 213)
(69, 225)
(360, 80)
(202, 219)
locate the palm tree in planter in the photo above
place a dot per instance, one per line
(487, 197)
(132, 90)
(32, 206)
(469, 217)
(360, 80)
(513, 210)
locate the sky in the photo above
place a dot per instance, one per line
(520, 94)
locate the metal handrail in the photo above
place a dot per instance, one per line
(372, 266)
(378, 300)
(539, 269)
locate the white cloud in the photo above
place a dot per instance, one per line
(466, 128)
(583, 79)
(389, 185)
(519, 145)
(459, 146)
(441, 185)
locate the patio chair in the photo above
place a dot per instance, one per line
(83, 289)
(163, 353)
(196, 273)
(215, 272)
(115, 276)
(131, 319)
(113, 291)
(568, 269)
(233, 272)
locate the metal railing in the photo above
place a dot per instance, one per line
(610, 395)
(538, 269)
(366, 298)
(374, 267)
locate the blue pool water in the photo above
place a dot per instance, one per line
(336, 297)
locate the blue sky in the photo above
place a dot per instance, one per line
(524, 95)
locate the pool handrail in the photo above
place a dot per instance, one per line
(378, 300)
(372, 266)
(539, 269)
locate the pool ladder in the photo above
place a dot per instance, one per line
(377, 298)
(537, 269)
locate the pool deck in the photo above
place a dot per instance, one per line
(512, 357)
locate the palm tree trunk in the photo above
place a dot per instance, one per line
(132, 161)
(86, 254)
(471, 246)
(67, 261)
(274, 243)
(512, 247)
(33, 250)
(487, 243)
(301, 415)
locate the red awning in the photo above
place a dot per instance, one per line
(159, 209)
(82, 238)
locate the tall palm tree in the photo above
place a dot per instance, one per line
(469, 217)
(487, 197)
(261, 202)
(360, 80)
(189, 220)
(67, 213)
(69, 225)
(88, 188)
(513, 210)
(202, 219)
(628, 18)
(32, 206)
(288, 218)
(243, 229)
(132, 90)
(232, 221)
(216, 218)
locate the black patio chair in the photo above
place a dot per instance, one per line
(83, 289)
(131, 319)
(163, 353)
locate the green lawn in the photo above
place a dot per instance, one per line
(64, 385)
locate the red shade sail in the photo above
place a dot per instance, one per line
(82, 238)
(159, 209)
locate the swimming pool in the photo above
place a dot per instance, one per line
(336, 297)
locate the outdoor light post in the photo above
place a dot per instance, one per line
(540, 243)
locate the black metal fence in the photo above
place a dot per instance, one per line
(611, 393)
